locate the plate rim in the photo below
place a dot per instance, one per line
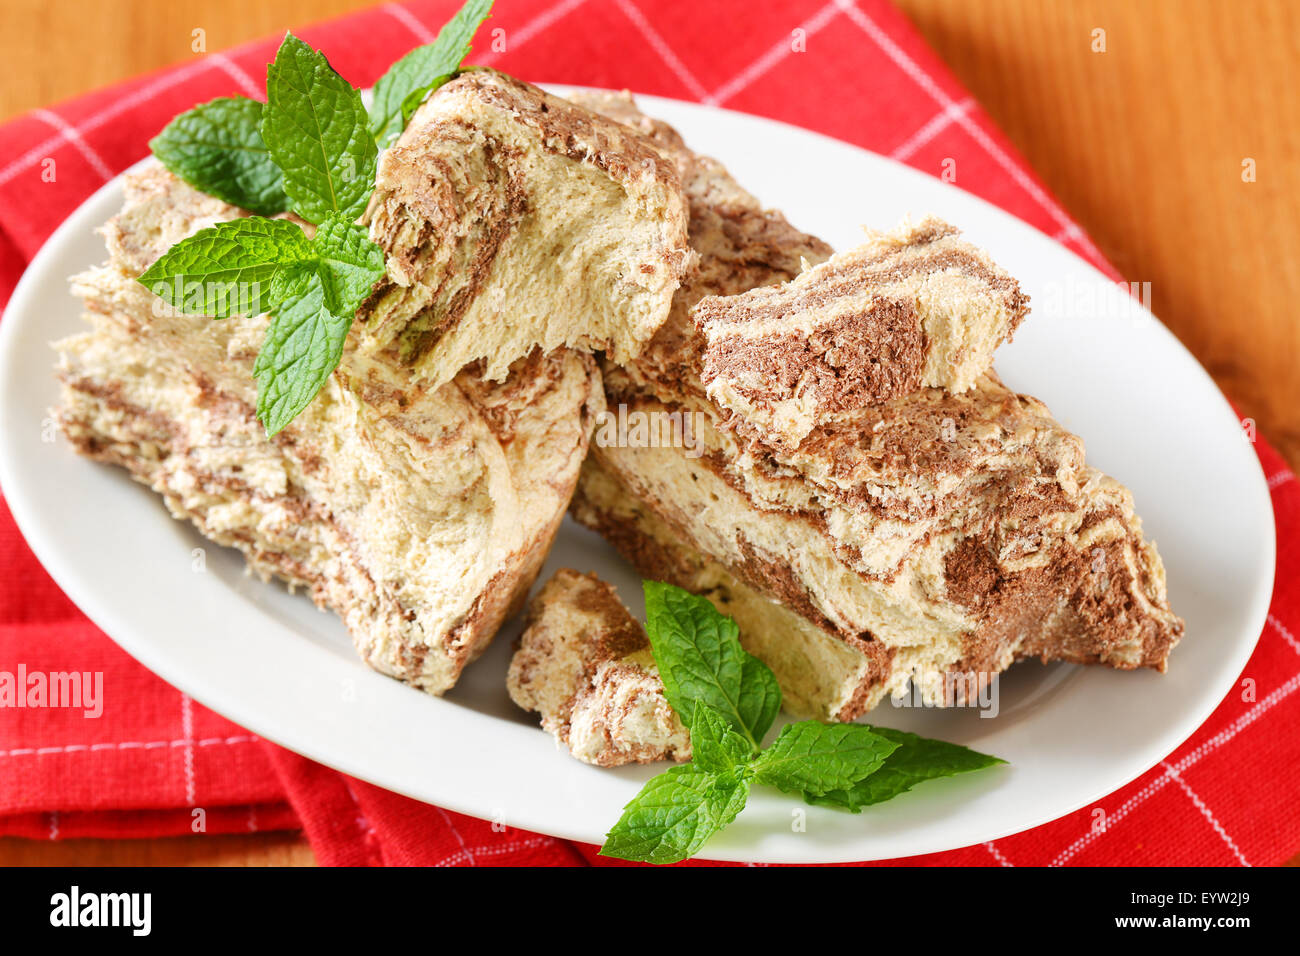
(117, 625)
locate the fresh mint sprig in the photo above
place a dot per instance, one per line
(410, 80)
(312, 148)
(728, 699)
(316, 132)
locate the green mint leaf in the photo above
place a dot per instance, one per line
(348, 262)
(675, 813)
(700, 659)
(317, 131)
(217, 148)
(917, 759)
(255, 265)
(714, 745)
(401, 90)
(812, 757)
(302, 346)
(228, 269)
(414, 100)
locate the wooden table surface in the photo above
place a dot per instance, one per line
(1143, 143)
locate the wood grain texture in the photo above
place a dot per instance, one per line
(86, 44)
(1142, 143)
(258, 849)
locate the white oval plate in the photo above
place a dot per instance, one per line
(269, 661)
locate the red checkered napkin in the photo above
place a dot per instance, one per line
(155, 763)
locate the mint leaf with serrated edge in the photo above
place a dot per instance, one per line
(349, 263)
(318, 133)
(227, 269)
(714, 745)
(916, 760)
(814, 757)
(217, 148)
(401, 90)
(302, 347)
(675, 813)
(700, 659)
